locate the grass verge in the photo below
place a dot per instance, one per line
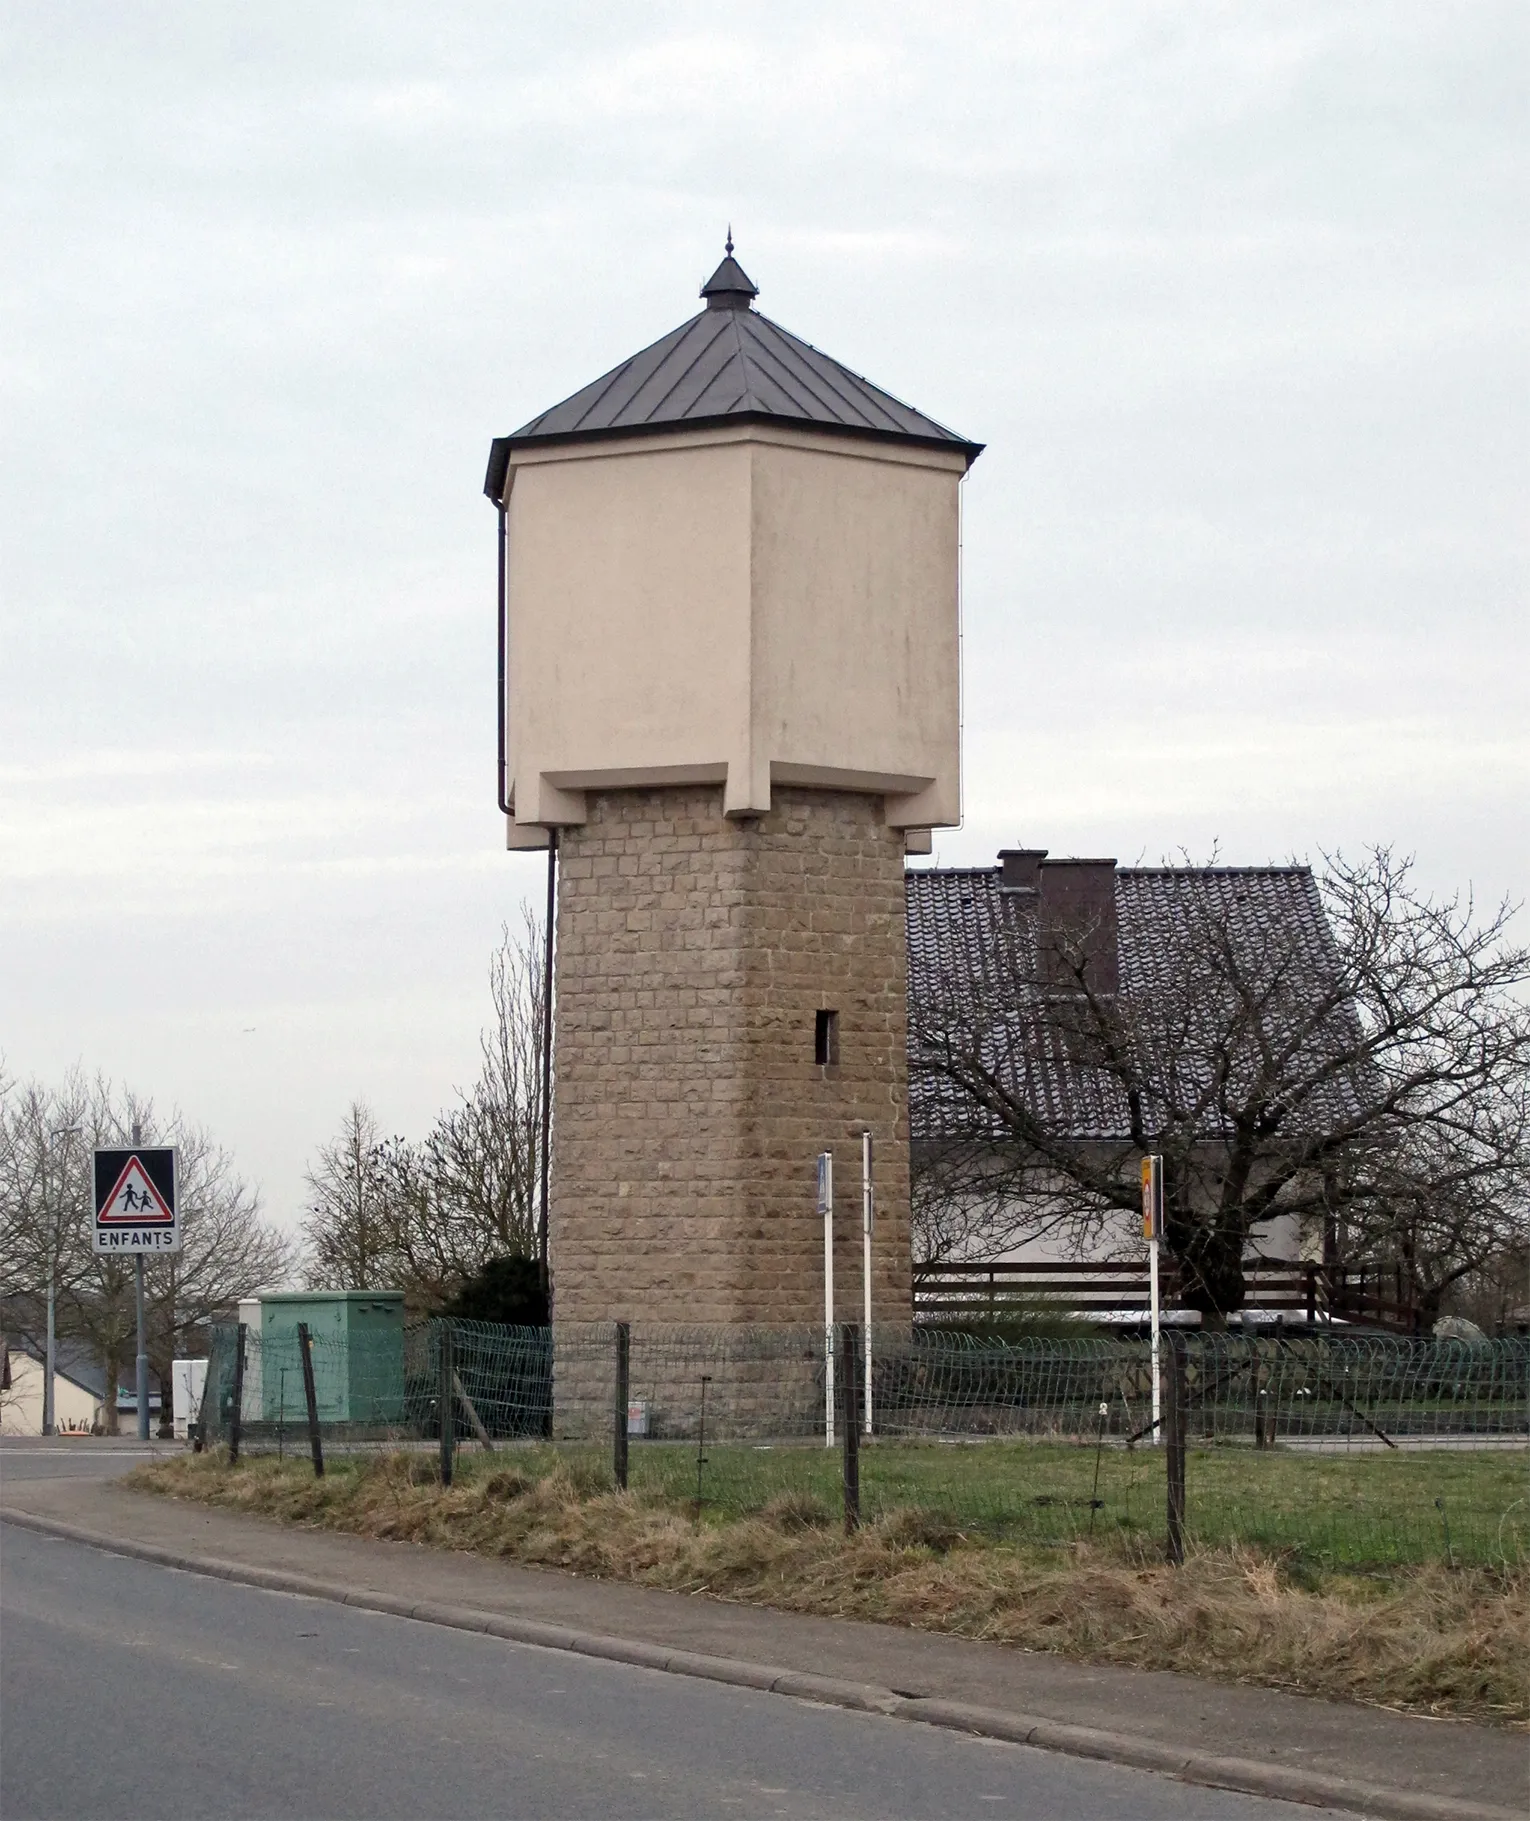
(1337, 1509)
(1423, 1639)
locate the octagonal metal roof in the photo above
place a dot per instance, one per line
(727, 365)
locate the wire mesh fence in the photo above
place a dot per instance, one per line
(1354, 1451)
(375, 1389)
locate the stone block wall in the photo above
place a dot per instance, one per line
(693, 953)
(761, 1384)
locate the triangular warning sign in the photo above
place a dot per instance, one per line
(135, 1201)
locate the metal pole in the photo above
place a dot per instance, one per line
(311, 1398)
(868, 1221)
(470, 1411)
(448, 1413)
(50, 1351)
(826, 1208)
(143, 1357)
(1157, 1342)
(504, 769)
(1174, 1453)
(1152, 1227)
(48, 1416)
(701, 1440)
(143, 1353)
(623, 1391)
(547, 1044)
(852, 1455)
(236, 1414)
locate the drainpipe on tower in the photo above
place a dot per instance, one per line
(547, 930)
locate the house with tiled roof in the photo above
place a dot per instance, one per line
(79, 1379)
(78, 1388)
(993, 951)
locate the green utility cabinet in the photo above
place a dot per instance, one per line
(358, 1354)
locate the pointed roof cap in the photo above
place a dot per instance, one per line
(729, 287)
(727, 365)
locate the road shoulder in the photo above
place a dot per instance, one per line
(1258, 1740)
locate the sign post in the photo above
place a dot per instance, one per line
(868, 1218)
(1152, 1231)
(135, 1214)
(826, 1209)
(141, 1375)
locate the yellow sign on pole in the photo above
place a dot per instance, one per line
(1152, 1197)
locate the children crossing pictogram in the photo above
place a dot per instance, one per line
(135, 1200)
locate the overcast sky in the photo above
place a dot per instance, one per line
(1235, 295)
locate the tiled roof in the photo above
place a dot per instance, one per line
(973, 947)
(726, 365)
(71, 1359)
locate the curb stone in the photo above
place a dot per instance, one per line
(1245, 1775)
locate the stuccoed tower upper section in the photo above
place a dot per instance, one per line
(731, 561)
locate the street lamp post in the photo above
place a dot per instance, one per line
(49, 1424)
(143, 1350)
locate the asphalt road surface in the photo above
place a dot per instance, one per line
(75, 1457)
(266, 1704)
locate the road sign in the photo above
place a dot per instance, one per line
(135, 1208)
(1152, 1197)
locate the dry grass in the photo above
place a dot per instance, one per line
(1425, 1640)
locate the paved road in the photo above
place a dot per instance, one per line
(75, 1457)
(279, 1706)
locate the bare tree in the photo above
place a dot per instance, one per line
(350, 1229)
(483, 1158)
(46, 1211)
(227, 1252)
(971, 1199)
(1449, 1205)
(1373, 1080)
(1495, 1295)
(46, 1190)
(426, 1217)
(43, 1149)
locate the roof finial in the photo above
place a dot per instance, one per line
(728, 243)
(729, 287)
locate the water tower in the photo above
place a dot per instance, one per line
(732, 696)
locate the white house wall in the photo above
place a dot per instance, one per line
(75, 1410)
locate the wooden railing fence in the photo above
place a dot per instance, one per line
(1307, 1291)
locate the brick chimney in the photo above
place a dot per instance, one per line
(1020, 868)
(1076, 912)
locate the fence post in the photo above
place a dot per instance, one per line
(236, 1415)
(623, 1390)
(311, 1398)
(1178, 1418)
(850, 1347)
(470, 1411)
(448, 1410)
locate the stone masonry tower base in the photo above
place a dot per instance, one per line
(694, 954)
